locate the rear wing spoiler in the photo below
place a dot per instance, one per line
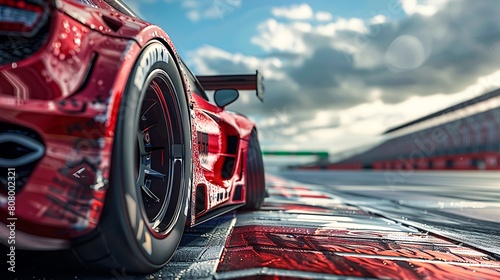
(239, 82)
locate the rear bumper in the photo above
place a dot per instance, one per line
(65, 95)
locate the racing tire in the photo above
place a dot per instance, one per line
(255, 176)
(146, 205)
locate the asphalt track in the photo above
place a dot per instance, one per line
(464, 205)
(471, 194)
(336, 225)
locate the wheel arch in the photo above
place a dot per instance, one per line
(126, 79)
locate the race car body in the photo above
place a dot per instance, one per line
(107, 138)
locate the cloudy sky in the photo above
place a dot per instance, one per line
(338, 73)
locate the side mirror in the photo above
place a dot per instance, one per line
(224, 97)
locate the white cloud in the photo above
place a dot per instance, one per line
(269, 67)
(216, 9)
(340, 83)
(294, 12)
(274, 35)
(343, 24)
(194, 15)
(422, 7)
(323, 16)
(304, 27)
(378, 19)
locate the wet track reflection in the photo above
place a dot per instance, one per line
(338, 225)
(464, 206)
(324, 229)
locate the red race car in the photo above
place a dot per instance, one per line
(109, 145)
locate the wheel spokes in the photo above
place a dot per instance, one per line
(150, 171)
(160, 148)
(147, 173)
(147, 189)
(143, 117)
(149, 127)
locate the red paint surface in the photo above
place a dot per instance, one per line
(75, 115)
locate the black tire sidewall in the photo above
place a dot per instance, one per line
(123, 223)
(255, 177)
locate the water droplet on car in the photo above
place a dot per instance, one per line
(14, 65)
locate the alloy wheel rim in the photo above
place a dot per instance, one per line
(160, 156)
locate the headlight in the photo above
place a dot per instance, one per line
(23, 17)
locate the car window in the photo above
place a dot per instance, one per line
(87, 2)
(119, 6)
(193, 82)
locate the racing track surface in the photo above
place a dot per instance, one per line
(338, 225)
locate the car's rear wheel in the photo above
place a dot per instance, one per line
(255, 176)
(147, 201)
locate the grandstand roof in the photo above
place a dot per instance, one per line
(458, 106)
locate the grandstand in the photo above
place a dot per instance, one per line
(465, 136)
